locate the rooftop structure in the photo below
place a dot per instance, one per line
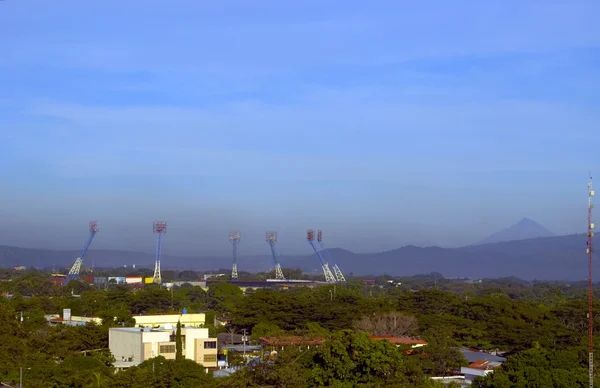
(476, 355)
(170, 320)
(480, 363)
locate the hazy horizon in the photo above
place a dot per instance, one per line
(383, 123)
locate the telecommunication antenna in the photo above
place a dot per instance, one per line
(339, 276)
(271, 239)
(590, 252)
(234, 238)
(159, 228)
(74, 271)
(310, 237)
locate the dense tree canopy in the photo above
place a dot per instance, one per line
(542, 326)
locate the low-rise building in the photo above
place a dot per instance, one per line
(134, 345)
(56, 319)
(71, 320)
(480, 363)
(412, 342)
(165, 320)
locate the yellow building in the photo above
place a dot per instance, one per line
(165, 320)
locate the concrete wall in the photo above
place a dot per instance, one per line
(125, 344)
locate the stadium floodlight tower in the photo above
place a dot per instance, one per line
(234, 238)
(339, 276)
(159, 228)
(310, 237)
(271, 239)
(74, 271)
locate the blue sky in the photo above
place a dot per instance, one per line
(383, 122)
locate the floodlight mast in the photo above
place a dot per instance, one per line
(271, 239)
(234, 238)
(310, 237)
(159, 228)
(76, 268)
(590, 252)
(339, 276)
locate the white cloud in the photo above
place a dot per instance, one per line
(342, 134)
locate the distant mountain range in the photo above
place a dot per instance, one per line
(543, 258)
(522, 230)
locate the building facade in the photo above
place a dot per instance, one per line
(134, 345)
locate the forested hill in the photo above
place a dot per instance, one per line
(549, 258)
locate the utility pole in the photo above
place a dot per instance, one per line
(21, 377)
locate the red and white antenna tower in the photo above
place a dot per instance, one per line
(590, 252)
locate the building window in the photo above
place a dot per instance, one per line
(210, 345)
(210, 357)
(167, 349)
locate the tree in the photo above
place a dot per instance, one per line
(160, 372)
(351, 360)
(178, 343)
(395, 324)
(223, 297)
(540, 368)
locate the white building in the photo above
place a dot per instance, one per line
(134, 345)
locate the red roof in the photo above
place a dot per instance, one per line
(399, 340)
(291, 340)
(483, 365)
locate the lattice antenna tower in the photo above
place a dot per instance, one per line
(159, 228)
(310, 237)
(271, 239)
(234, 238)
(590, 252)
(76, 268)
(339, 276)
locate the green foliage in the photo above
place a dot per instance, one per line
(162, 373)
(540, 367)
(542, 325)
(264, 329)
(223, 297)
